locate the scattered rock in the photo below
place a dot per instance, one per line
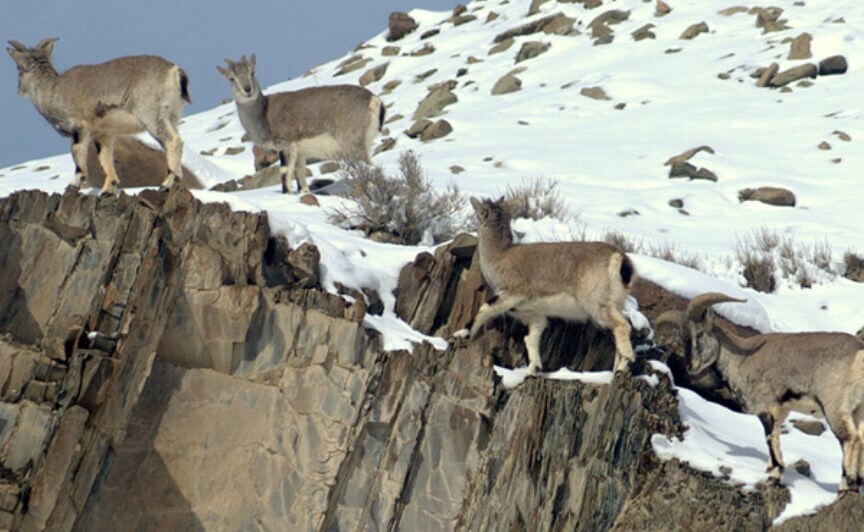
(531, 50)
(329, 167)
(688, 154)
(685, 169)
(417, 127)
(426, 49)
(600, 28)
(734, 10)
(309, 199)
(768, 18)
(430, 33)
(842, 135)
(824, 146)
(422, 76)
(787, 76)
(644, 33)
(557, 24)
(836, 64)
(780, 197)
(506, 84)
(456, 169)
(389, 51)
(694, 30)
(676, 203)
(802, 467)
(351, 64)
(136, 164)
(813, 427)
(387, 144)
(374, 74)
(491, 16)
(473, 60)
(235, 150)
(800, 47)
(679, 167)
(439, 97)
(596, 93)
(535, 6)
(393, 118)
(390, 85)
(767, 75)
(438, 129)
(460, 19)
(501, 46)
(400, 24)
(661, 9)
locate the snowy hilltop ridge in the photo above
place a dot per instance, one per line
(727, 137)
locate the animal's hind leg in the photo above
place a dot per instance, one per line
(166, 134)
(532, 343)
(105, 149)
(621, 333)
(287, 164)
(80, 145)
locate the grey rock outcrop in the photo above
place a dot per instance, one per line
(171, 348)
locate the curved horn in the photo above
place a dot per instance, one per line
(669, 317)
(702, 302)
(47, 42)
(18, 45)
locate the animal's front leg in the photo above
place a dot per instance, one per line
(300, 174)
(771, 426)
(501, 305)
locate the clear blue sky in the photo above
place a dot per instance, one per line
(288, 36)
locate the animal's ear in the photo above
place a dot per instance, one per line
(222, 71)
(46, 46)
(475, 203)
(252, 62)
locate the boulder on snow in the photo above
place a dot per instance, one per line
(777, 196)
(800, 47)
(836, 64)
(789, 75)
(531, 50)
(400, 24)
(506, 84)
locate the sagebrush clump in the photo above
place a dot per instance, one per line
(403, 209)
(537, 199)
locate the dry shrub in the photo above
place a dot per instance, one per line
(669, 252)
(404, 209)
(854, 266)
(537, 199)
(621, 241)
(758, 263)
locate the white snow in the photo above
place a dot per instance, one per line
(607, 161)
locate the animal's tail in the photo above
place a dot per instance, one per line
(382, 113)
(184, 86)
(627, 271)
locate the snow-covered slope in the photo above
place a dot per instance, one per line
(665, 95)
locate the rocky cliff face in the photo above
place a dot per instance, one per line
(168, 364)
